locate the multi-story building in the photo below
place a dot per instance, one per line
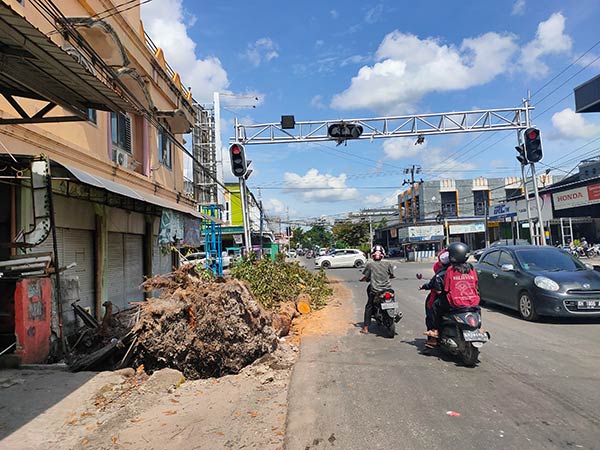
(91, 125)
(435, 211)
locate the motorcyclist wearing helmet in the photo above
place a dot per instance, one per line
(460, 285)
(378, 273)
(435, 286)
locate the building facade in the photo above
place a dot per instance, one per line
(107, 192)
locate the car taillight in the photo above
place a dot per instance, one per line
(387, 296)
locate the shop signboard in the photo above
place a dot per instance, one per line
(580, 196)
(545, 203)
(467, 228)
(421, 233)
(503, 211)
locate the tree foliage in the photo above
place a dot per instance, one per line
(319, 235)
(353, 235)
(274, 282)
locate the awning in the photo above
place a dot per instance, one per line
(37, 68)
(120, 189)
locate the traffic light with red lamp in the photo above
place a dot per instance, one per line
(521, 157)
(238, 160)
(533, 145)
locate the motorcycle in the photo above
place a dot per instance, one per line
(385, 311)
(460, 334)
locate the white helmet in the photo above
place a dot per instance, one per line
(377, 252)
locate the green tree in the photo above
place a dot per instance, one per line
(299, 237)
(353, 235)
(318, 235)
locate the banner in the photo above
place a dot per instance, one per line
(467, 228)
(581, 196)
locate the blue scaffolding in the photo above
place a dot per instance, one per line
(212, 241)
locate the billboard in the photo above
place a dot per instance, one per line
(581, 196)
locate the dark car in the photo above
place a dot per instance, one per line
(538, 281)
(477, 253)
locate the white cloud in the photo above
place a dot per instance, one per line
(374, 201)
(497, 163)
(438, 163)
(263, 50)
(590, 60)
(334, 14)
(570, 125)
(317, 102)
(550, 39)
(319, 187)
(374, 14)
(274, 206)
(518, 8)
(408, 68)
(165, 22)
(399, 148)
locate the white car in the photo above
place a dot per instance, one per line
(342, 257)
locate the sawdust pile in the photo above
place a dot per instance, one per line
(200, 327)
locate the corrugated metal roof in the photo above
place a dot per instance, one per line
(35, 67)
(126, 191)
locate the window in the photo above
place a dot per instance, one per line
(449, 204)
(164, 147)
(479, 202)
(121, 131)
(505, 258)
(92, 115)
(491, 258)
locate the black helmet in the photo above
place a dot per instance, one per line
(458, 252)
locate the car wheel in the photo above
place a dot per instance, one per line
(358, 263)
(325, 264)
(526, 307)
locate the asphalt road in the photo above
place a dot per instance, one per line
(537, 385)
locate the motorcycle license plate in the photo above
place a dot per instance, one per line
(474, 335)
(390, 305)
(588, 304)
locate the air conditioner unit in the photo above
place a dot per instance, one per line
(121, 157)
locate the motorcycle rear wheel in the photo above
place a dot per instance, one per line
(389, 325)
(470, 355)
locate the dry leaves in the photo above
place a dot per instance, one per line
(170, 413)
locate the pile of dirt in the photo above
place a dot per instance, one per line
(203, 328)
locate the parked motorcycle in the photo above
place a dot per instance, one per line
(386, 311)
(461, 335)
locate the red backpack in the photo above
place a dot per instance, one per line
(461, 288)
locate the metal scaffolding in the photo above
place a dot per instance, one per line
(212, 241)
(205, 152)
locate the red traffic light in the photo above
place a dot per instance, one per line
(533, 133)
(235, 149)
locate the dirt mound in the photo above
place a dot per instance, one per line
(202, 328)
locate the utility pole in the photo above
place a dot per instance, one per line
(413, 207)
(487, 218)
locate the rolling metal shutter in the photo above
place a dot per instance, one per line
(116, 272)
(125, 268)
(134, 267)
(74, 246)
(161, 264)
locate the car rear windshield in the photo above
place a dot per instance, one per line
(551, 260)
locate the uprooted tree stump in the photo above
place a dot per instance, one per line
(201, 328)
(303, 303)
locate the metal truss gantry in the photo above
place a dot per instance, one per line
(388, 127)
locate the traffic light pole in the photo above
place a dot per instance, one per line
(524, 179)
(244, 200)
(542, 235)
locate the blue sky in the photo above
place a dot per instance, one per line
(332, 59)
